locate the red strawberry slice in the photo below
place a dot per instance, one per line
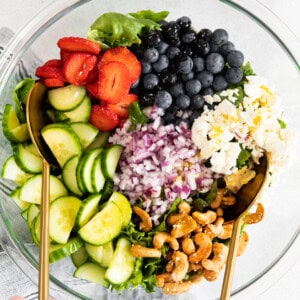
(114, 81)
(53, 82)
(121, 108)
(64, 55)
(78, 44)
(124, 55)
(77, 67)
(103, 118)
(93, 88)
(57, 63)
(46, 71)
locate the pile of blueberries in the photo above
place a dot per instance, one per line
(181, 65)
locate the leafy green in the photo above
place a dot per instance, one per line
(20, 94)
(116, 29)
(135, 236)
(136, 115)
(150, 15)
(281, 123)
(247, 69)
(243, 158)
(199, 204)
(211, 195)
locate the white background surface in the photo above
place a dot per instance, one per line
(279, 284)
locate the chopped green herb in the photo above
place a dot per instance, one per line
(136, 115)
(199, 204)
(243, 158)
(281, 123)
(211, 195)
(247, 69)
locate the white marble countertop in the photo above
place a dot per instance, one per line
(282, 282)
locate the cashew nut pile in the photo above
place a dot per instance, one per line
(196, 241)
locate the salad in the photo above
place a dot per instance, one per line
(155, 126)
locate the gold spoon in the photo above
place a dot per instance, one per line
(246, 197)
(36, 120)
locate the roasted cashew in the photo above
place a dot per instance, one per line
(161, 279)
(210, 275)
(218, 261)
(195, 278)
(183, 226)
(257, 216)
(174, 288)
(195, 267)
(146, 222)
(184, 209)
(226, 232)
(204, 218)
(188, 246)
(243, 242)
(170, 266)
(220, 212)
(205, 247)
(228, 200)
(215, 229)
(218, 200)
(181, 266)
(163, 237)
(141, 251)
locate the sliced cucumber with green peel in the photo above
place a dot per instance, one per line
(100, 140)
(88, 208)
(94, 252)
(107, 254)
(60, 251)
(26, 160)
(63, 212)
(31, 190)
(122, 263)
(97, 177)
(86, 132)
(15, 195)
(69, 175)
(110, 160)
(62, 141)
(79, 257)
(123, 203)
(66, 98)
(104, 226)
(35, 229)
(33, 211)
(12, 171)
(24, 214)
(91, 272)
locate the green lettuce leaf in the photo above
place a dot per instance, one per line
(150, 15)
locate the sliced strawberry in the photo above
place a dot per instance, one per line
(57, 63)
(77, 67)
(78, 44)
(124, 55)
(64, 55)
(93, 88)
(114, 81)
(103, 118)
(121, 108)
(53, 82)
(46, 71)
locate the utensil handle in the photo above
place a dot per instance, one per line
(44, 235)
(231, 258)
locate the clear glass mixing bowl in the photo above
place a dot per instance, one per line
(271, 56)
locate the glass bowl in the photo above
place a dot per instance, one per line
(270, 56)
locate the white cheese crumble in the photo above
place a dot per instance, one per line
(220, 133)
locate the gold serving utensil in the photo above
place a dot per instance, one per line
(36, 120)
(246, 198)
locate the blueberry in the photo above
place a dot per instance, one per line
(162, 47)
(205, 77)
(193, 87)
(146, 67)
(198, 64)
(226, 48)
(187, 76)
(184, 22)
(176, 89)
(172, 52)
(152, 38)
(171, 30)
(194, 116)
(219, 36)
(135, 84)
(205, 34)
(214, 47)
(219, 83)
(201, 47)
(176, 42)
(163, 99)
(146, 99)
(207, 91)
(151, 55)
(235, 58)
(167, 78)
(184, 64)
(197, 102)
(168, 118)
(161, 64)
(215, 63)
(234, 75)
(186, 49)
(188, 37)
(183, 101)
(150, 81)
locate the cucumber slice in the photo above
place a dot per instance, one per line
(24, 214)
(110, 160)
(122, 264)
(97, 177)
(107, 254)
(107, 189)
(12, 129)
(94, 252)
(86, 132)
(26, 160)
(62, 141)
(33, 211)
(30, 191)
(79, 257)
(88, 208)
(69, 175)
(59, 251)
(63, 213)
(31, 148)
(92, 272)
(35, 229)
(124, 205)
(103, 227)
(12, 171)
(79, 114)
(100, 140)
(66, 98)
(15, 195)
